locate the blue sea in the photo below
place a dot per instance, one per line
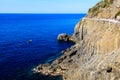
(27, 40)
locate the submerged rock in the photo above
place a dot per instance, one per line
(29, 41)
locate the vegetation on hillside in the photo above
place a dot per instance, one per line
(102, 4)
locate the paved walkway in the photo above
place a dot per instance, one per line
(100, 19)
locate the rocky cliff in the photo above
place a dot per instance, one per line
(96, 54)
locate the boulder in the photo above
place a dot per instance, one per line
(118, 18)
(63, 37)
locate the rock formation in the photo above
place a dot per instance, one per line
(96, 54)
(64, 37)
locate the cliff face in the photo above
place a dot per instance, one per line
(96, 54)
(105, 9)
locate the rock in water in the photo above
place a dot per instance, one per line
(63, 37)
(96, 54)
(30, 41)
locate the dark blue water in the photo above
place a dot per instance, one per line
(17, 56)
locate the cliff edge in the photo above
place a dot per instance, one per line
(96, 53)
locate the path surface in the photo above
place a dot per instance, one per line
(100, 19)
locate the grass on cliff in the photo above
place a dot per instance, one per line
(111, 1)
(102, 4)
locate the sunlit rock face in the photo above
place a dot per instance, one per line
(105, 9)
(96, 54)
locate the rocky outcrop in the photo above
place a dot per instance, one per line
(96, 54)
(64, 37)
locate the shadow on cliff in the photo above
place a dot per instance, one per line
(44, 77)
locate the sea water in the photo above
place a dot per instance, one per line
(27, 40)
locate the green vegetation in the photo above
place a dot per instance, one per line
(117, 14)
(111, 1)
(95, 10)
(102, 4)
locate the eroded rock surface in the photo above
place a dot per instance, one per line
(65, 37)
(96, 54)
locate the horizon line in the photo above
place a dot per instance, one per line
(43, 13)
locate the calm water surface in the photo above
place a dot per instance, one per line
(18, 56)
